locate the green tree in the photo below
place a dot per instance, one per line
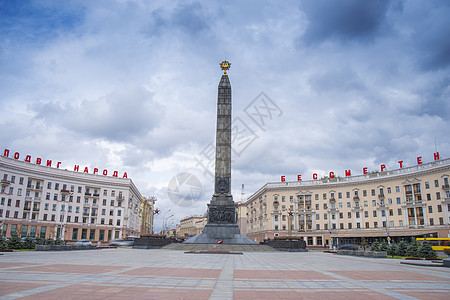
(375, 246)
(28, 243)
(412, 250)
(426, 251)
(392, 250)
(3, 243)
(401, 249)
(384, 246)
(14, 242)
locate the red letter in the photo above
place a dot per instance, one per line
(76, 168)
(6, 153)
(28, 158)
(125, 175)
(57, 165)
(49, 163)
(365, 170)
(116, 174)
(105, 172)
(315, 176)
(331, 175)
(299, 177)
(95, 170)
(419, 160)
(16, 155)
(348, 173)
(283, 178)
(436, 156)
(38, 161)
(383, 167)
(86, 170)
(401, 163)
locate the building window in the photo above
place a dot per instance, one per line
(375, 224)
(436, 183)
(324, 196)
(364, 193)
(92, 234)
(310, 240)
(341, 215)
(317, 216)
(430, 209)
(374, 213)
(53, 217)
(105, 192)
(427, 184)
(439, 208)
(118, 223)
(441, 221)
(75, 234)
(325, 216)
(399, 201)
(326, 227)
(317, 226)
(340, 195)
(349, 215)
(348, 194)
(391, 212)
(431, 221)
(56, 186)
(438, 195)
(389, 190)
(340, 204)
(349, 225)
(112, 202)
(397, 189)
(341, 225)
(316, 196)
(101, 236)
(79, 189)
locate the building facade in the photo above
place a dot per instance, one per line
(147, 215)
(191, 226)
(399, 204)
(46, 202)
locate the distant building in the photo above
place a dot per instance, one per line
(147, 214)
(53, 203)
(402, 204)
(191, 226)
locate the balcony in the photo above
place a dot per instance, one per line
(27, 208)
(5, 182)
(37, 199)
(65, 192)
(408, 192)
(445, 186)
(381, 195)
(87, 194)
(332, 199)
(355, 197)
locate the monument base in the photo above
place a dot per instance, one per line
(227, 233)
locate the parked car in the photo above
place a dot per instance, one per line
(82, 243)
(120, 242)
(348, 247)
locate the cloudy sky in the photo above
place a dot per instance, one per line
(318, 86)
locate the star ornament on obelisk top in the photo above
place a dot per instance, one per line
(225, 66)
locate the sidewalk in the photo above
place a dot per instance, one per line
(169, 274)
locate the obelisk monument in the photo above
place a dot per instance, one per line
(221, 225)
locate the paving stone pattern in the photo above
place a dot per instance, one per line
(170, 274)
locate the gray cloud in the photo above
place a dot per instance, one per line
(121, 116)
(343, 20)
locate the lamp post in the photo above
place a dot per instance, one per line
(165, 222)
(385, 208)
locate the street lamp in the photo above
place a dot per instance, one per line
(165, 221)
(385, 208)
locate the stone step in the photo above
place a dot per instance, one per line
(224, 247)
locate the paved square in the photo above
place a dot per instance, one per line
(169, 274)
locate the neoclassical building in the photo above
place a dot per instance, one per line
(191, 226)
(399, 204)
(48, 202)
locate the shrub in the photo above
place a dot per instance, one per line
(3, 243)
(375, 246)
(412, 250)
(401, 249)
(393, 250)
(384, 246)
(14, 242)
(427, 251)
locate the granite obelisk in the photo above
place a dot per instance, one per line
(221, 225)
